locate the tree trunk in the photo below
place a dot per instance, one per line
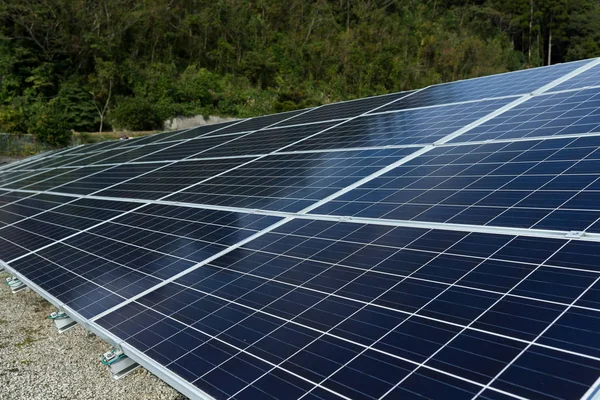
(549, 45)
(530, 28)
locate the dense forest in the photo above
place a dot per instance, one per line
(131, 64)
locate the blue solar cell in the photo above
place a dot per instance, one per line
(498, 189)
(159, 180)
(514, 83)
(289, 182)
(545, 374)
(567, 113)
(109, 176)
(347, 109)
(408, 127)
(591, 77)
(308, 288)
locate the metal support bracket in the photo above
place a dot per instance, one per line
(14, 284)
(574, 234)
(62, 321)
(118, 363)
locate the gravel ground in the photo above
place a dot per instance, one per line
(36, 362)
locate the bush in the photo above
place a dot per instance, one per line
(13, 120)
(50, 126)
(77, 107)
(135, 114)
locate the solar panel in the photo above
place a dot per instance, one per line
(588, 78)
(438, 243)
(343, 110)
(332, 303)
(565, 113)
(288, 182)
(421, 126)
(547, 184)
(514, 83)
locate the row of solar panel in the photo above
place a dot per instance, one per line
(255, 306)
(315, 299)
(512, 84)
(544, 184)
(565, 113)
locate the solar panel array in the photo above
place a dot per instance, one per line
(440, 243)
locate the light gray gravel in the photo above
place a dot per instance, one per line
(36, 362)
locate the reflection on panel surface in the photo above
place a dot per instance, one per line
(289, 182)
(549, 184)
(336, 304)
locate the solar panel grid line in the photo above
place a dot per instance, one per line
(401, 276)
(241, 350)
(521, 139)
(360, 220)
(563, 204)
(383, 306)
(344, 121)
(275, 366)
(128, 150)
(132, 148)
(488, 385)
(347, 340)
(403, 146)
(434, 106)
(17, 164)
(77, 233)
(31, 216)
(391, 222)
(358, 310)
(547, 114)
(27, 176)
(536, 190)
(382, 171)
(483, 120)
(486, 175)
(219, 145)
(82, 277)
(276, 126)
(366, 179)
(321, 334)
(194, 267)
(176, 138)
(178, 141)
(481, 153)
(576, 89)
(391, 288)
(568, 76)
(475, 319)
(125, 181)
(251, 162)
(376, 350)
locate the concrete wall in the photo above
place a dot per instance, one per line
(188, 122)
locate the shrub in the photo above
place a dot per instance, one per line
(50, 125)
(135, 114)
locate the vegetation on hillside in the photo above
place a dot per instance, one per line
(131, 64)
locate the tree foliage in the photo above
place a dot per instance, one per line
(133, 64)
